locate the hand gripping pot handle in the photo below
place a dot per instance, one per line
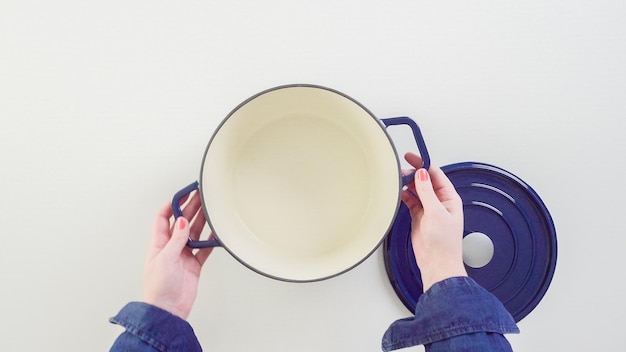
(421, 145)
(177, 211)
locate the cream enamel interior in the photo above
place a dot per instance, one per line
(300, 183)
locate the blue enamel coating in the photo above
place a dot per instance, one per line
(178, 198)
(177, 211)
(421, 145)
(502, 206)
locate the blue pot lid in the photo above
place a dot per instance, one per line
(503, 207)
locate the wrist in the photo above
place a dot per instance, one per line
(433, 274)
(170, 308)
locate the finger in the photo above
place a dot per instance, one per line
(192, 207)
(442, 185)
(411, 187)
(411, 200)
(180, 235)
(197, 225)
(161, 230)
(413, 159)
(182, 202)
(424, 189)
(406, 172)
(204, 253)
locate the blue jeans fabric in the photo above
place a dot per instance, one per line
(152, 329)
(455, 314)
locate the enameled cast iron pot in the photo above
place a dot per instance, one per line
(300, 182)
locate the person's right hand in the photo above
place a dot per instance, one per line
(436, 223)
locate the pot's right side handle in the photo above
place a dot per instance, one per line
(417, 134)
(177, 212)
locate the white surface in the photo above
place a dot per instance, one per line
(106, 108)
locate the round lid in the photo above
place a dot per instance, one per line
(500, 207)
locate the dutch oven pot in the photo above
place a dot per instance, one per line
(300, 182)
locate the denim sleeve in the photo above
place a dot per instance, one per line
(455, 314)
(151, 329)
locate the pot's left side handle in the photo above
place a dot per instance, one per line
(177, 211)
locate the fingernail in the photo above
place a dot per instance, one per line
(182, 223)
(423, 174)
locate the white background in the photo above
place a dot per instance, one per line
(106, 108)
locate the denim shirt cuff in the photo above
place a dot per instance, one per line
(452, 307)
(157, 327)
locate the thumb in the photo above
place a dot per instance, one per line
(180, 235)
(424, 189)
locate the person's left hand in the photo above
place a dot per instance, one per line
(172, 269)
